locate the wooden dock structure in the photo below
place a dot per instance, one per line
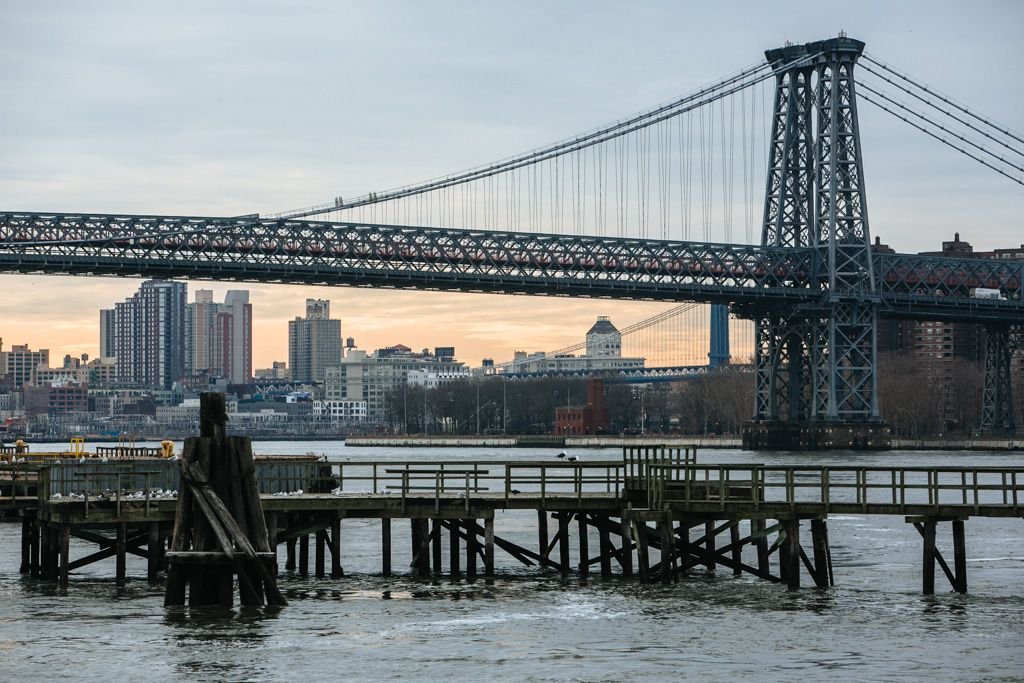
(655, 514)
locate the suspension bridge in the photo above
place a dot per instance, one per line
(659, 206)
(686, 341)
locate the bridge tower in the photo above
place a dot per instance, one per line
(816, 365)
(997, 408)
(718, 355)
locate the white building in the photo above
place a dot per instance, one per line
(340, 411)
(604, 354)
(371, 377)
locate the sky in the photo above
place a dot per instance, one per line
(229, 108)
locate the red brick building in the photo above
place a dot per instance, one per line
(590, 418)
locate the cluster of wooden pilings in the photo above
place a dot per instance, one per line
(642, 544)
(45, 547)
(220, 532)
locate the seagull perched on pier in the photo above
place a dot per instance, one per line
(573, 458)
(560, 455)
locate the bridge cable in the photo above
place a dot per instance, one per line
(941, 139)
(741, 80)
(941, 127)
(947, 100)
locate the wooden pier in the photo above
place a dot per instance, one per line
(655, 515)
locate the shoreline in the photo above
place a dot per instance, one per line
(532, 441)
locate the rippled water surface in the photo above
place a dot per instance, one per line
(528, 625)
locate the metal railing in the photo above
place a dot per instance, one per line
(668, 478)
(900, 490)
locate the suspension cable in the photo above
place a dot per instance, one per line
(943, 140)
(941, 127)
(745, 78)
(1002, 129)
(947, 112)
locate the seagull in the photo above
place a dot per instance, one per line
(561, 455)
(573, 458)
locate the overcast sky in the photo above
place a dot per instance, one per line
(183, 108)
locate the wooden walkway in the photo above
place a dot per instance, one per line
(655, 514)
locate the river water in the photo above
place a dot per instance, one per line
(532, 626)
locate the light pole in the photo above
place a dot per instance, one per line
(478, 407)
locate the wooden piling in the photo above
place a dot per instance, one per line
(709, 545)
(563, 542)
(757, 529)
(121, 551)
(435, 545)
(27, 527)
(791, 555)
(542, 532)
(289, 549)
(304, 555)
(320, 568)
(153, 552)
(336, 569)
(64, 543)
(667, 548)
(822, 563)
(626, 551)
(643, 559)
(928, 559)
(605, 545)
(737, 548)
(454, 559)
(472, 546)
(220, 529)
(584, 565)
(489, 546)
(959, 557)
(385, 546)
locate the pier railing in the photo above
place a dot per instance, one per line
(892, 490)
(656, 484)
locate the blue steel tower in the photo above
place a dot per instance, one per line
(816, 364)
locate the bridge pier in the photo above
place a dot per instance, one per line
(781, 435)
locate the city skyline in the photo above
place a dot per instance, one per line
(426, 107)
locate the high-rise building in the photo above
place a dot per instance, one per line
(107, 322)
(218, 336)
(314, 342)
(149, 339)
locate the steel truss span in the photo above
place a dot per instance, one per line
(353, 254)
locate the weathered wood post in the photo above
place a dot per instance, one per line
(928, 570)
(959, 557)
(219, 528)
(626, 551)
(737, 547)
(385, 546)
(584, 566)
(563, 541)
(605, 544)
(336, 570)
(435, 547)
(453, 547)
(822, 559)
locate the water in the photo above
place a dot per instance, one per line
(525, 625)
